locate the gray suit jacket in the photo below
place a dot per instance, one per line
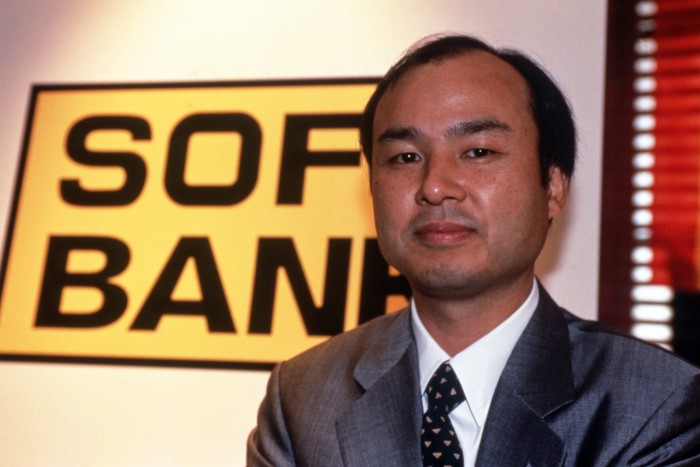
(572, 393)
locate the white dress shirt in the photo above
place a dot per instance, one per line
(478, 368)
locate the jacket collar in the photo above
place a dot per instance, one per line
(382, 426)
(539, 369)
(386, 351)
(536, 382)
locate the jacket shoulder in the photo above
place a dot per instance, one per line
(311, 391)
(342, 352)
(635, 401)
(610, 351)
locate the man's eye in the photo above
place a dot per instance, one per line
(478, 152)
(406, 158)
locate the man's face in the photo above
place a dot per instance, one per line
(458, 198)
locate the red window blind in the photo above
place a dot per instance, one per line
(675, 50)
(650, 243)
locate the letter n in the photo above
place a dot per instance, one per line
(276, 253)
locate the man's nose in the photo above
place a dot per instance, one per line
(441, 180)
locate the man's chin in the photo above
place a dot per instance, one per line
(448, 283)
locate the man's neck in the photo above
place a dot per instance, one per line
(456, 323)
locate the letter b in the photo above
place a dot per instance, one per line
(57, 277)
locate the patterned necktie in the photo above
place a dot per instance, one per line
(439, 443)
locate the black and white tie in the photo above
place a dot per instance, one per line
(439, 443)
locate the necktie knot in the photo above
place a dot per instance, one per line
(444, 391)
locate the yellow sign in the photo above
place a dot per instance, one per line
(214, 225)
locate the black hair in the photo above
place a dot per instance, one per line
(550, 109)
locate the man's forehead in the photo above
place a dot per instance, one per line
(467, 74)
(469, 71)
(474, 67)
(472, 58)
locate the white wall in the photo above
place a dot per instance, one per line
(100, 415)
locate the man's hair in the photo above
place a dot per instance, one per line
(550, 109)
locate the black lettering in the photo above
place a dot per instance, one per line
(377, 283)
(226, 195)
(213, 305)
(276, 253)
(56, 278)
(133, 166)
(296, 156)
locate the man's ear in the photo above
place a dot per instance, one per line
(557, 191)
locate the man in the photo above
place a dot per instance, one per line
(471, 151)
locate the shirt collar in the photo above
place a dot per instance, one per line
(480, 365)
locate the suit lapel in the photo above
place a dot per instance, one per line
(382, 426)
(536, 381)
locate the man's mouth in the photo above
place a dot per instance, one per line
(443, 232)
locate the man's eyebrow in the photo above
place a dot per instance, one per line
(472, 127)
(400, 133)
